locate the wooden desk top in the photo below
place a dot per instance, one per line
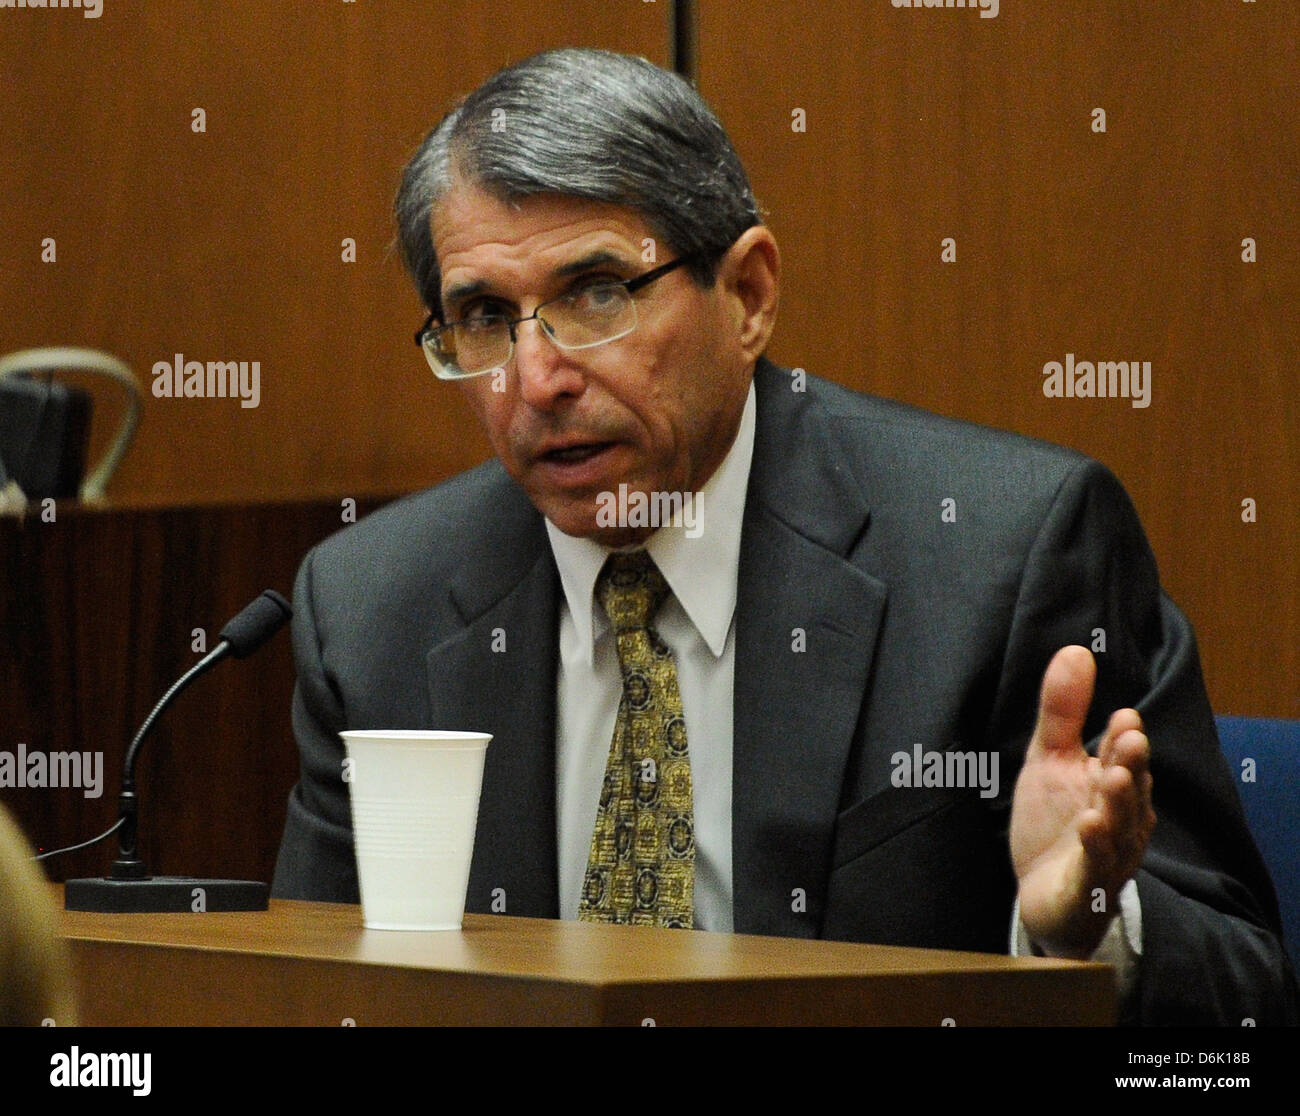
(315, 963)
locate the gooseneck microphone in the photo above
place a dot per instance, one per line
(128, 887)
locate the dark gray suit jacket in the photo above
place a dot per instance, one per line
(917, 631)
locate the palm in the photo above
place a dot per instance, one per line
(1053, 791)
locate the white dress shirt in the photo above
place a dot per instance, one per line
(697, 623)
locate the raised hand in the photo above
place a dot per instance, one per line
(1079, 824)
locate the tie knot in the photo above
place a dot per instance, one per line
(630, 589)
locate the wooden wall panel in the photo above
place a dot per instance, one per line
(933, 123)
(921, 124)
(226, 245)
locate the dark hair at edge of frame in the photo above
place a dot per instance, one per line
(591, 124)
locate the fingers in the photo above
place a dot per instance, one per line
(1125, 747)
(1095, 836)
(1064, 699)
(1122, 722)
(1115, 831)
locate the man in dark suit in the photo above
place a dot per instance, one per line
(873, 594)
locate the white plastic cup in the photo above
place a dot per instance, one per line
(414, 810)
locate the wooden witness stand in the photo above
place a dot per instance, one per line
(313, 964)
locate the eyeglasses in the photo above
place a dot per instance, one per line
(591, 314)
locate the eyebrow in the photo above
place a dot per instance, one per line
(601, 257)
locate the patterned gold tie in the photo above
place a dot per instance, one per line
(641, 868)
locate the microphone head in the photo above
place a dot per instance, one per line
(257, 623)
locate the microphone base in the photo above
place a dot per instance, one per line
(160, 894)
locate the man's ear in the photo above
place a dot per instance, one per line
(750, 273)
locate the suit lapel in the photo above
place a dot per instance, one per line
(806, 627)
(497, 675)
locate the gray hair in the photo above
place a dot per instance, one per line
(585, 124)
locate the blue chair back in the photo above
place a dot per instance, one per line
(1272, 804)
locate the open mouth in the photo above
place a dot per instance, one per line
(574, 455)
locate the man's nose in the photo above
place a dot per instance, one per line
(546, 373)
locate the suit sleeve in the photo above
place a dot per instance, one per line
(1211, 935)
(316, 858)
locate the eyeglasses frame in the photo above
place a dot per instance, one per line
(631, 286)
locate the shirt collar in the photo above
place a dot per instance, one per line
(701, 571)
